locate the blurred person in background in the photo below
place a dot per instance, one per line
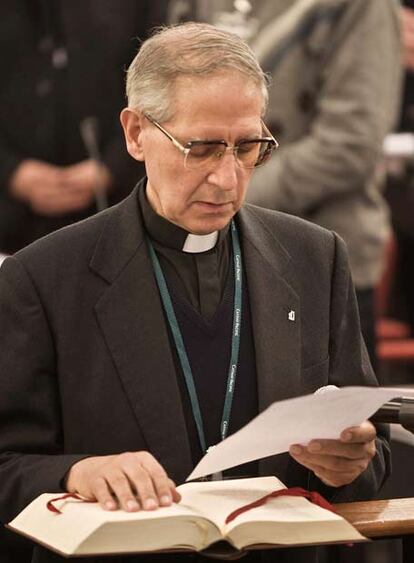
(62, 66)
(335, 86)
(62, 153)
(335, 69)
(400, 185)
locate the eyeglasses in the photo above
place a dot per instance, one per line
(249, 153)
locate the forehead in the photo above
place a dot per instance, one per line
(225, 99)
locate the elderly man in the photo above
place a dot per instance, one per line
(120, 365)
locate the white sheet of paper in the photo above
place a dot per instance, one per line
(296, 421)
(399, 145)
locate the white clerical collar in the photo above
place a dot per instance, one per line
(200, 243)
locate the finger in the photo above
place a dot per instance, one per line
(141, 480)
(102, 493)
(121, 487)
(175, 494)
(334, 476)
(365, 432)
(331, 462)
(352, 451)
(160, 480)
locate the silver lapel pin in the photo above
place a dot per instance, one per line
(292, 316)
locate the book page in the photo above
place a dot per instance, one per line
(217, 499)
(78, 528)
(289, 521)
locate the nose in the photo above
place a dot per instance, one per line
(225, 172)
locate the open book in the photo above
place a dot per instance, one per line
(196, 523)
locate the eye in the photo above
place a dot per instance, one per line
(248, 146)
(205, 150)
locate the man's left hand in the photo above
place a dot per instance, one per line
(339, 462)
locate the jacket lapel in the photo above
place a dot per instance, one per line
(130, 316)
(275, 312)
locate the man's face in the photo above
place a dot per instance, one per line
(223, 106)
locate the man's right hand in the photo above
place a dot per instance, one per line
(131, 481)
(43, 186)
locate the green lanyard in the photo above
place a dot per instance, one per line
(179, 343)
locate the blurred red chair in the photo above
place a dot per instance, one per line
(394, 343)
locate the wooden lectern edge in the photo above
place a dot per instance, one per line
(380, 518)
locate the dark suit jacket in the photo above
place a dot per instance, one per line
(86, 366)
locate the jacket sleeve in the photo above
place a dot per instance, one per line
(31, 454)
(355, 106)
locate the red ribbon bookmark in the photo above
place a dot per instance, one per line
(313, 496)
(51, 504)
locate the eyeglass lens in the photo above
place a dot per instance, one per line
(249, 154)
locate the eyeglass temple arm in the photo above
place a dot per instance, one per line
(172, 139)
(267, 131)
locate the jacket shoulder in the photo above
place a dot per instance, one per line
(305, 244)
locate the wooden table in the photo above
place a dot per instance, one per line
(383, 519)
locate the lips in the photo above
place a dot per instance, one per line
(214, 208)
(213, 205)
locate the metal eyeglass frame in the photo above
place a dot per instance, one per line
(185, 150)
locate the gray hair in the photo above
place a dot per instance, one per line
(189, 49)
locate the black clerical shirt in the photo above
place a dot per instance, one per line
(199, 277)
(202, 284)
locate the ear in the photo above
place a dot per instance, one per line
(131, 122)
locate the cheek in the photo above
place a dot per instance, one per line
(162, 162)
(166, 179)
(188, 186)
(244, 181)
(175, 195)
